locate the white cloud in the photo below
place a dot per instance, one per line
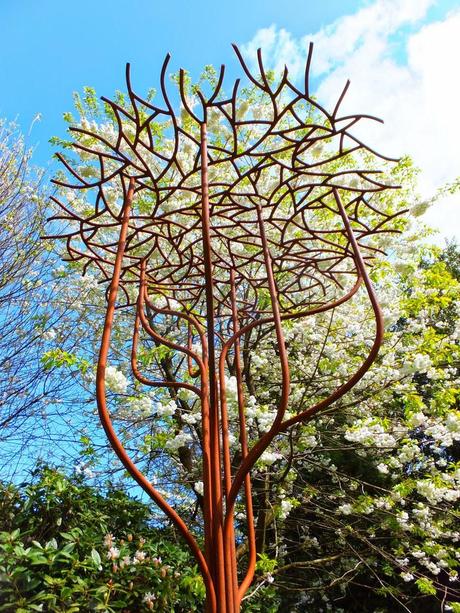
(417, 99)
(335, 43)
(367, 29)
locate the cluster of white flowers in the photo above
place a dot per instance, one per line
(265, 418)
(417, 419)
(113, 553)
(263, 415)
(258, 361)
(149, 599)
(231, 387)
(107, 130)
(141, 406)
(115, 380)
(420, 362)
(191, 418)
(269, 457)
(383, 503)
(423, 516)
(434, 568)
(199, 487)
(408, 452)
(308, 440)
(108, 540)
(82, 468)
(285, 508)
(139, 556)
(449, 432)
(178, 441)
(345, 509)
(370, 432)
(166, 410)
(88, 283)
(403, 520)
(434, 493)
(251, 408)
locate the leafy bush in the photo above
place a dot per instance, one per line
(66, 547)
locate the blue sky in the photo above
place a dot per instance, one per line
(49, 48)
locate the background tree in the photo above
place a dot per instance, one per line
(368, 510)
(34, 317)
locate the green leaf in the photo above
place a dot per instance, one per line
(57, 358)
(15, 534)
(426, 586)
(96, 557)
(52, 544)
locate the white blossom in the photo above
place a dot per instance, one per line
(139, 556)
(141, 405)
(178, 441)
(84, 469)
(108, 540)
(199, 487)
(269, 457)
(166, 410)
(149, 599)
(286, 507)
(115, 380)
(370, 432)
(113, 553)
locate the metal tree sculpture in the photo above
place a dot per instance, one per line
(207, 225)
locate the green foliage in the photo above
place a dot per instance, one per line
(426, 586)
(58, 358)
(66, 547)
(265, 563)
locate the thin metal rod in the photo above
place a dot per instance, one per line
(218, 552)
(251, 536)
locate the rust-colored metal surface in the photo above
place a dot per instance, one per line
(237, 214)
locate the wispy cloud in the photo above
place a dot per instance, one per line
(417, 97)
